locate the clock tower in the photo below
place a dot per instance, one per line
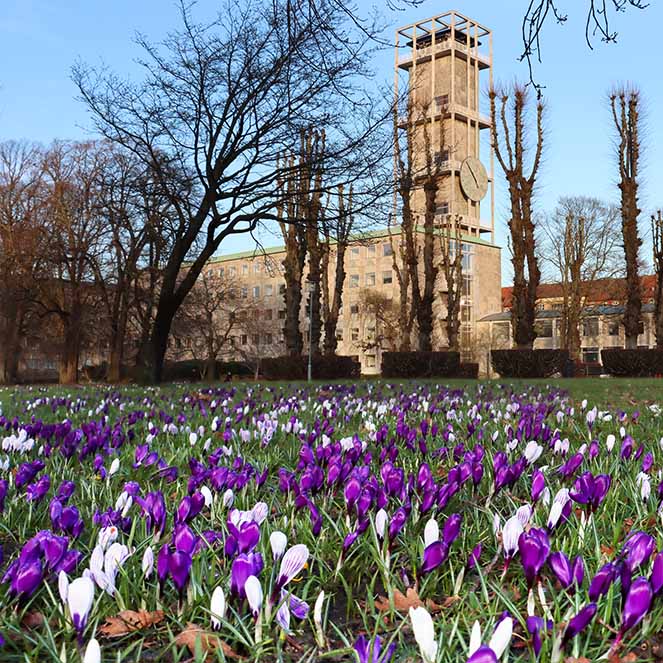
(443, 62)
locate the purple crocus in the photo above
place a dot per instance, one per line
(534, 548)
(638, 602)
(434, 555)
(292, 563)
(370, 651)
(580, 622)
(590, 490)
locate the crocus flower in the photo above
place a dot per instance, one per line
(80, 597)
(381, 519)
(656, 578)
(638, 549)
(370, 651)
(179, 568)
(253, 591)
(424, 633)
(292, 563)
(278, 541)
(511, 532)
(501, 636)
(601, 582)
(147, 564)
(580, 622)
(483, 655)
(638, 601)
(534, 548)
(434, 555)
(63, 586)
(590, 490)
(92, 652)
(217, 607)
(431, 532)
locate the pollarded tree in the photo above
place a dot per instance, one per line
(512, 154)
(625, 105)
(657, 242)
(451, 266)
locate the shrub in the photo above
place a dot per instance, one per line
(518, 363)
(640, 362)
(468, 370)
(420, 364)
(325, 367)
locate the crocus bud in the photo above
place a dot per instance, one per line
(278, 541)
(501, 637)
(253, 592)
(475, 638)
(217, 607)
(424, 633)
(657, 574)
(580, 622)
(115, 466)
(148, 562)
(381, 518)
(92, 652)
(483, 655)
(79, 599)
(638, 601)
(431, 532)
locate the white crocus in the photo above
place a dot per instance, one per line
(218, 607)
(228, 498)
(278, 541)
(207, 494)
(381, 518)
(106, 536)
(92, 652)
(115, 466)
(431, 532)
(80, 597)
(533, 451)
(610, 442)
(253, 591)
(317, 619)
(513, 528)
(148, 562)
(475, 638)
(63, 586)
(501, 637)
(424, 633)
(524, 513)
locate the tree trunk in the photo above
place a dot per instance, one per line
(68, 372)
(153, 353)
(12, 348)
(116, 357)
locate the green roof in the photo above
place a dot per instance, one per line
(370, 234)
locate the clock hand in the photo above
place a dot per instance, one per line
(476, 181)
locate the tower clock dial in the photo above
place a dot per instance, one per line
(473, 179)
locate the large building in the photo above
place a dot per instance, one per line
(444, 64)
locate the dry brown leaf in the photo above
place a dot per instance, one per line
(33, 620)
(571, 659)
(128, 621)
(209, 642)
(403, 602)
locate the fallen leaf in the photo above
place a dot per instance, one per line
(607, 550)
(209, 642)
(33, 620)
(403, 602)
(571, 659)
(128, 621)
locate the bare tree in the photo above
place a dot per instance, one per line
(657, 242)
(335, 239)
(75, 231)
(382, 313)
(409, 177)
(209, 316)
(625, 105)
(221, 102)
(451, 265)
(512, 155)
(399, 266)
(597, 22)
(21, 237)
(581, 242)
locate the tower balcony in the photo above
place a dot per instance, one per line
(422, 54)
(457, 110)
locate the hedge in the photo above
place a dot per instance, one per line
(324, 367)
(641, 362)
(420, 364)
(520, 363)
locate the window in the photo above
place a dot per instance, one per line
(370, 333)
(590, 327)
(386, 249)
(281, 288)
(441, 101)
(255, 339)
(232, 271)
(442, 208)
(590, 355)
(242, 316)
(370, 251)
(354, 309)
(612, 327)
(355, 334)
(370, 279)
(387, 277)
(641, 327)
(442, 158)
(245, 269)
(467, 285)
(354, 280)
(268, 339)
(544, 328)
(268, 314)
(244, 339)
(466, 313)
(256, 267)
(221, 270)
(269, 290)
(370, 361)
(256, 291)
(354, 253)
(245, 292)
(339, 335)
(282, 314)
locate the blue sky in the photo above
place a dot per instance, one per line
(41, 39)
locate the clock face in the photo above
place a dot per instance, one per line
(473, 179)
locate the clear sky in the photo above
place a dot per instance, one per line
(41, 39)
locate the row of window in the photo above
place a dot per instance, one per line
(590, 327)
(369, 279)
